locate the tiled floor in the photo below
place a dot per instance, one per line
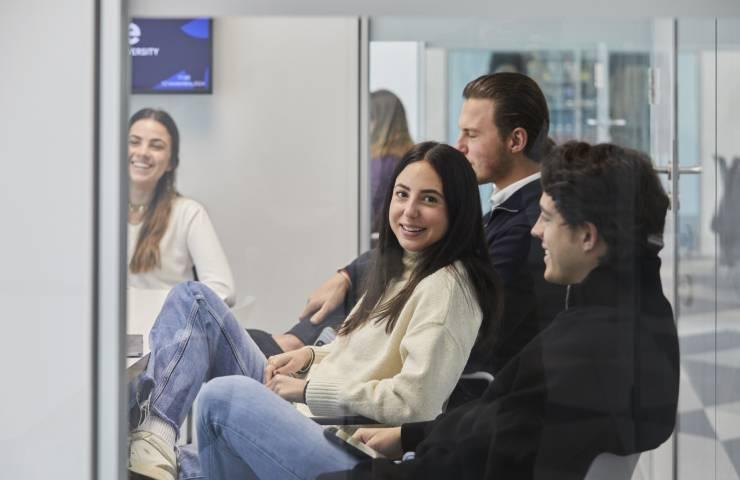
(709, 407)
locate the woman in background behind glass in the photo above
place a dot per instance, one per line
(170, 237)
(389, 141)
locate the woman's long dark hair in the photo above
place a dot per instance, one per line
(464, 241)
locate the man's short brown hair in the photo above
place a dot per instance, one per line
(518, 102)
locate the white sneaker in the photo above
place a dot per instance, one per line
(150, 456)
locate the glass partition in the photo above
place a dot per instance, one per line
(274, 156)
(595, 79)
(709, 419)
(724, 224)
(665, 87)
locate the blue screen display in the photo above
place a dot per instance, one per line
(170, 55)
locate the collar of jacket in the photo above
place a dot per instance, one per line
(519, 199)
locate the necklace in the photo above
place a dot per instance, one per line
(133, 208)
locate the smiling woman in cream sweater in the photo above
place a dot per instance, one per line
(431, 296)
(409, 372)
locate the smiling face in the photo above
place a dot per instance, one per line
(481, 141)
(567, 249)
(418, 212)
(149, 153)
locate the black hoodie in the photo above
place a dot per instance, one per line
(603, 377)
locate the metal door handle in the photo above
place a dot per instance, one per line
(695, 170)
(609, 122)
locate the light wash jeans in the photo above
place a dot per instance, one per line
(194, 339)
(246, 431)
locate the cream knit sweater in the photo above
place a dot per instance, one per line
(405, 376)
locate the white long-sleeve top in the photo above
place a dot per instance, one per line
(190, 240)
(407, 375)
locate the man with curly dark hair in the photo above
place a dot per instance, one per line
(602, 377)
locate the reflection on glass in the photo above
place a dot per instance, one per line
(170, 237)
(614, 81)
(708, 122)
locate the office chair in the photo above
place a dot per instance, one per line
(608, 466)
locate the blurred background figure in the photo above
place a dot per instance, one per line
(725, 220)
(389, 141)
(170, 237)
(508, 62)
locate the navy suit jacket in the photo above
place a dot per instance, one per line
(530, 303)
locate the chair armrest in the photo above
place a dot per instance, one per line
(607, 466)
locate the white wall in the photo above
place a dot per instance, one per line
(46, 194)
(273, 154)
(395, 66)
(435, 94)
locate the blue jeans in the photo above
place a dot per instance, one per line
(194, 339)
(247, 431)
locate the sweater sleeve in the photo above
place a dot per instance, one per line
(433, 351)
(208, 256)
(321, 352)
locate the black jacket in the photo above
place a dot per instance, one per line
(603, 377)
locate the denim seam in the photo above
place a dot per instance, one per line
(219, 321)
(172, 365)
(211, 441)
(199, 297)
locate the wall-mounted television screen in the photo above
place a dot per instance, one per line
(171, 55)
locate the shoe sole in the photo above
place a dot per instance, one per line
(146, 473)
(136, 476)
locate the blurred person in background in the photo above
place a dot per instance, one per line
(170, 237)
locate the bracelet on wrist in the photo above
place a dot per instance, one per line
(308, 364)
(305, 387)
